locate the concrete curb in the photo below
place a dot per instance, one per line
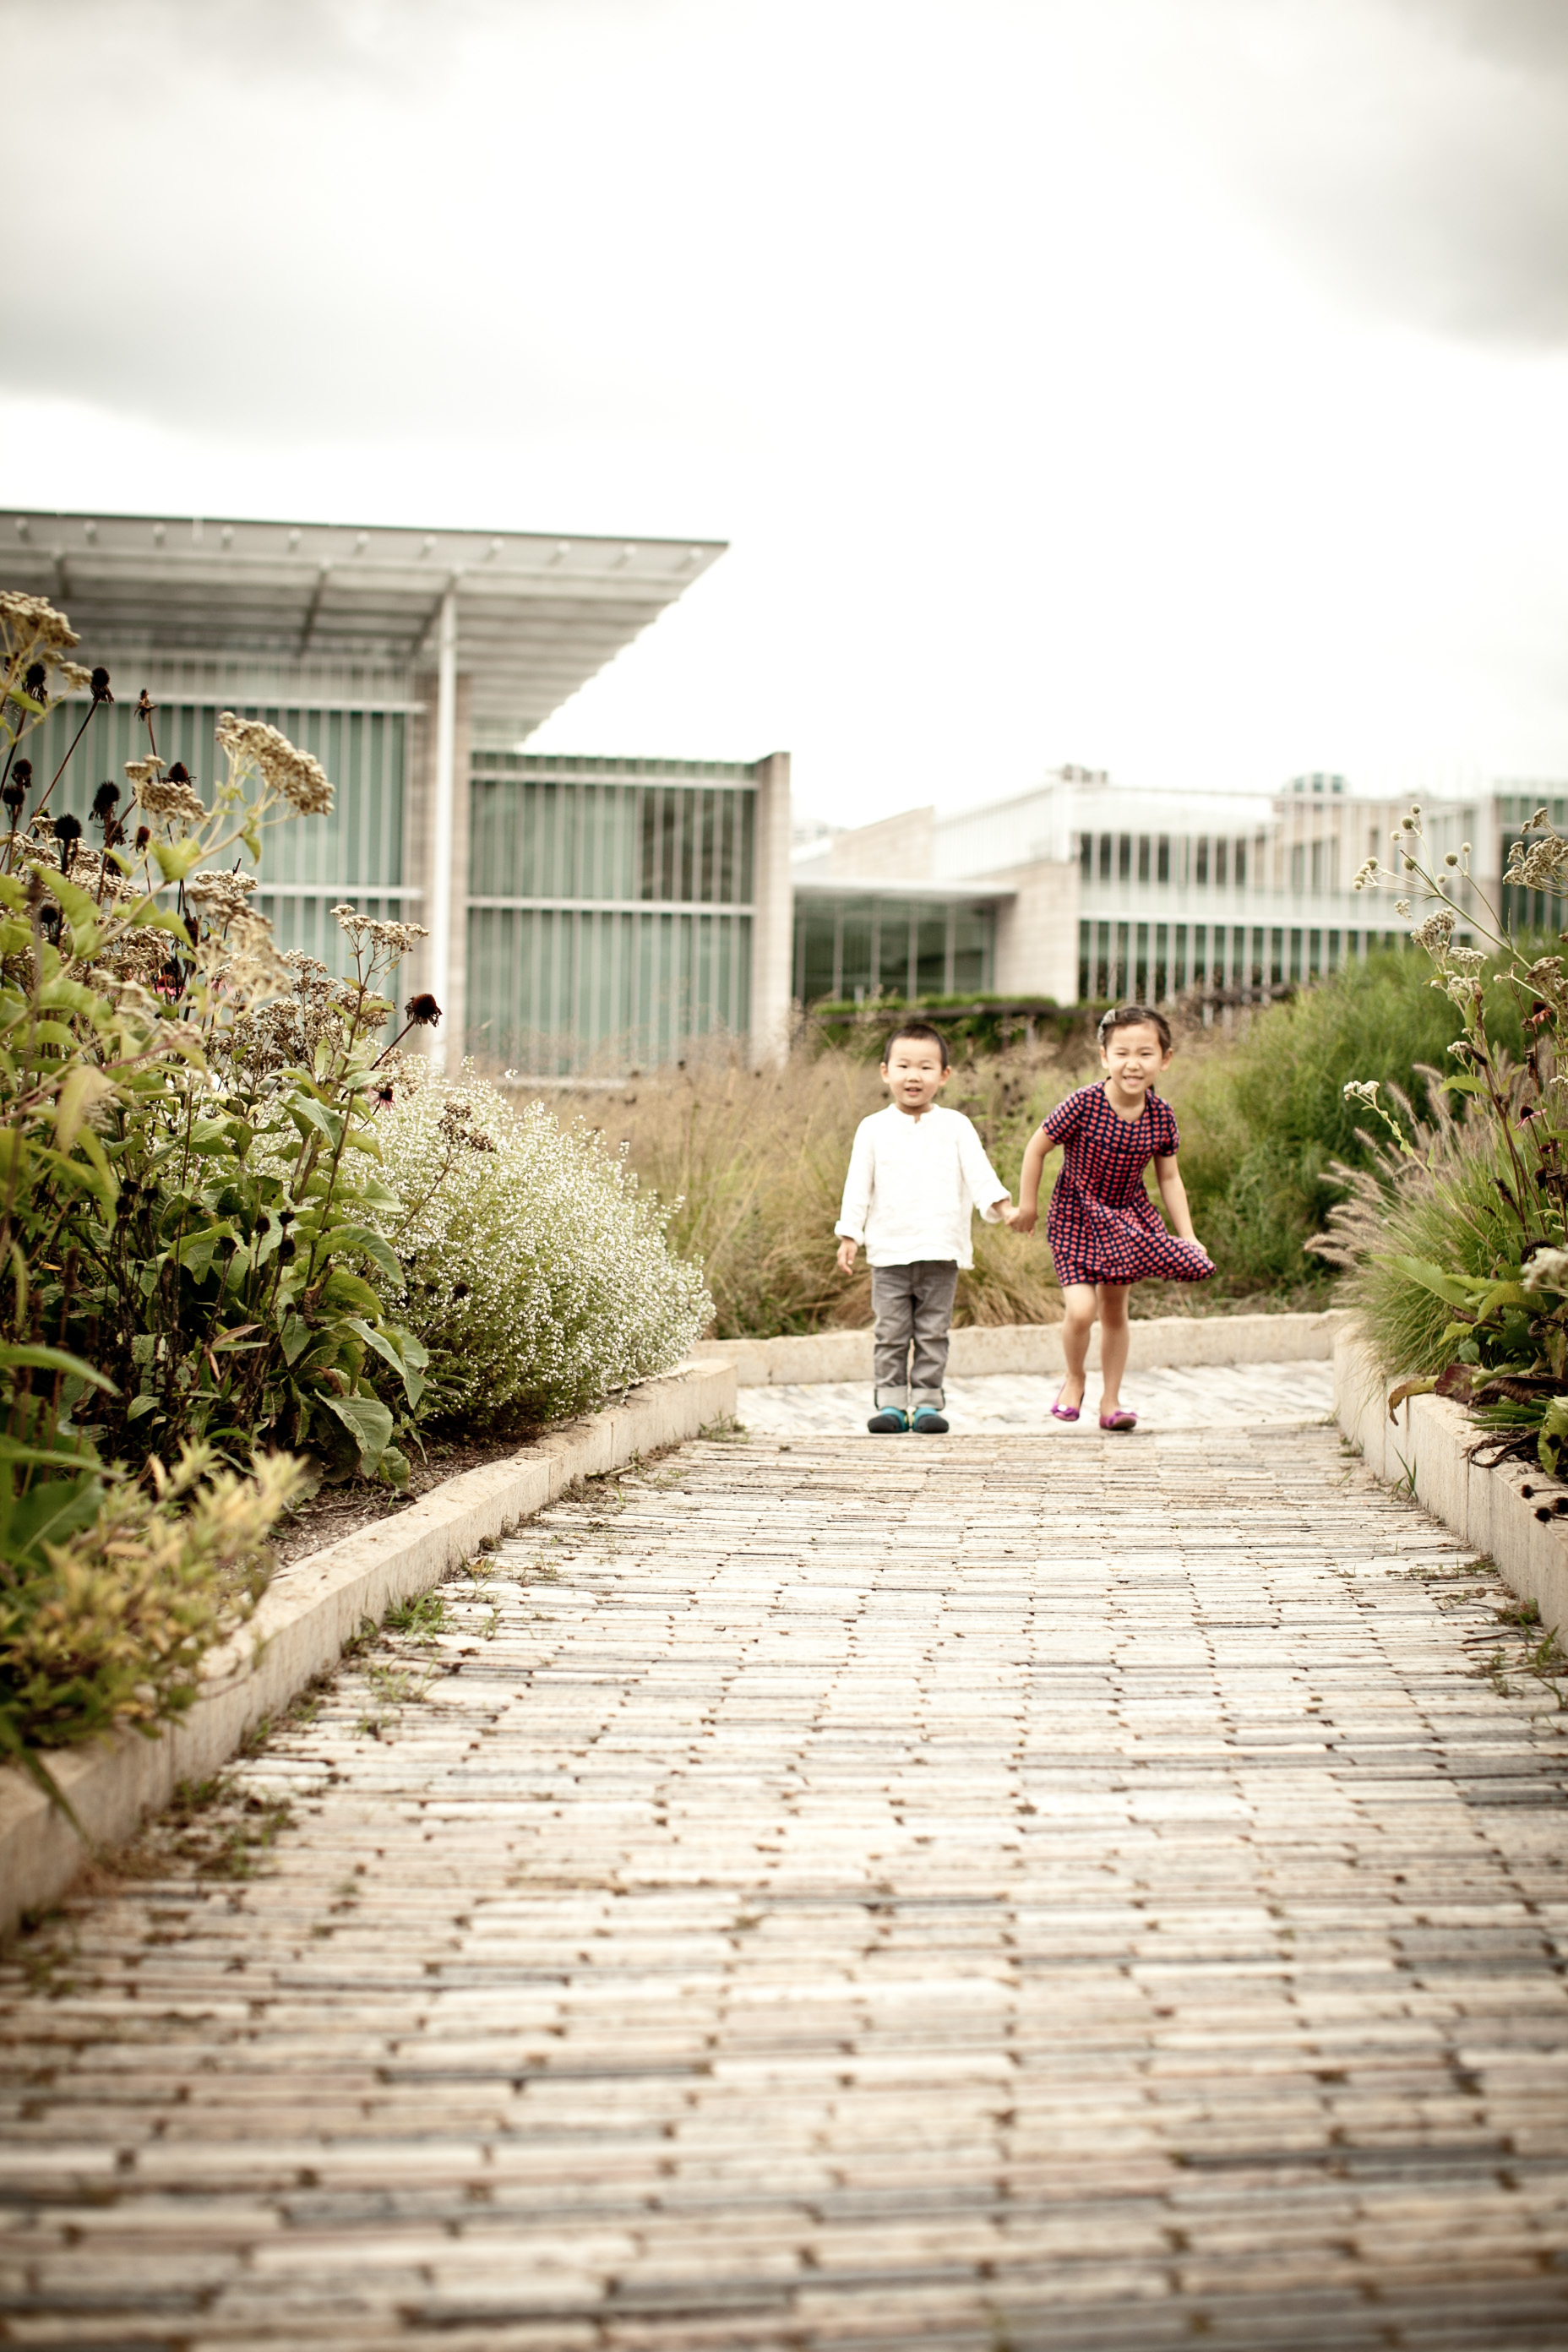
(1165, 1342)
(1427, 1445)
(312, 1607)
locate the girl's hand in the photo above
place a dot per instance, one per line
(1023, 1220)
(846, 1250)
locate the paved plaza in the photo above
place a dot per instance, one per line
(821, 1891)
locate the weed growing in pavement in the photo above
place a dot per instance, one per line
(420, 1618)
(218, 1826)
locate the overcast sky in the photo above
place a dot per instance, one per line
(1175, 386)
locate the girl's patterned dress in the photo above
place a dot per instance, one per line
(1102, 1225)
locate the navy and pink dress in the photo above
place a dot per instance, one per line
(1102, 1225)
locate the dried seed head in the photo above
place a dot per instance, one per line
(422, 1010)
(106, 800)
(100, 684)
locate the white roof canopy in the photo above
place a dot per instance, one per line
(536, 615)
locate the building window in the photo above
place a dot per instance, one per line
(1241, 865)
(1162, 858)
(1202, 861)
(1105, 858)
(1143, 846)
(1086, 856)
(1220, 849)
(1297, 871)
(1124, 858)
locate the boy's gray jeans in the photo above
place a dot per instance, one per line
(913, 1306)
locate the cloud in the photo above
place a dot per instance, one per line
(1411, 152)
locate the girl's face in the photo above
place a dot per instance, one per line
(1135, 1057)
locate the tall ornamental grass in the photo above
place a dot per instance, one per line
(754, 1161)
(1457, 1242)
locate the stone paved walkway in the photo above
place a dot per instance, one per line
(839, 1895)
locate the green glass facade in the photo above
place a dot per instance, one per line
(851, 947)
(609, 908)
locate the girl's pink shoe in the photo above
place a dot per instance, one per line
(1123, 1419)
(1060, 1412)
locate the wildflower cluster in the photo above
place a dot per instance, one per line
(253, 746)
(536, 1274)
(169, 799)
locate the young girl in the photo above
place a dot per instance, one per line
(1104, 1231)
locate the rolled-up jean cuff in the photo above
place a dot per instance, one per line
(922, 1399)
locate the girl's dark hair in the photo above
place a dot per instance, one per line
(1133, 1016)
(921, 1029)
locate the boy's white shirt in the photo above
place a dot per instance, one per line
(913, 1185)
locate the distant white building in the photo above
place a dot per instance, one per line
(1084, 888)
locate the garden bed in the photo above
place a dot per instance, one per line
(314, 1606)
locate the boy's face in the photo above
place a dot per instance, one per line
(913, 1074)
(1134, 1057)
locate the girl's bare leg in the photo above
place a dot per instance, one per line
(1114, 1339)
(1078, 1297)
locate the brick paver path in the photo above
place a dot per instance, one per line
(981, 1896)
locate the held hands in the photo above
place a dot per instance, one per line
(1022, 1220)
(846, 1260)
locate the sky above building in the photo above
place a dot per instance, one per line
(1173, 386)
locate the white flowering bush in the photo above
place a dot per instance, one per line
(537, 1275)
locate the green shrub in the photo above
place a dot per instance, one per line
(1264, 1118)
(535, 1272)
(108, 1611)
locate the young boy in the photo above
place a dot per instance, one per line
(916, 1174)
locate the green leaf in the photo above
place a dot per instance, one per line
(54, 1360)
(368, 1421)
(408, 1363)
(52, 1510)
(339, 1239)
(343, 1288)
(1450, 1286)
(308, 1114)
(176, 858)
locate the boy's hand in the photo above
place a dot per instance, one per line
(1023, 1220)
(846, 1249)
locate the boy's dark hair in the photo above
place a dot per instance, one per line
(921, 1029)
(1133, 1016)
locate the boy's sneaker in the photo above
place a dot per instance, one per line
(929, 1423)
(889, 1423)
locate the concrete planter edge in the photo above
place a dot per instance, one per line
(1426, 1448)
(1164, 1342)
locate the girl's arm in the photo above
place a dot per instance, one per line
(1037, 1151)
(1173, 1193)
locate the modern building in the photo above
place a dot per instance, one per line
(579, 910)
(1083, 889)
